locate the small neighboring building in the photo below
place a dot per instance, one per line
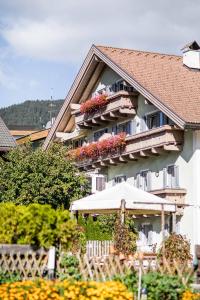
(19, 133)
(35, 137)
(154, 100)
(6, 139)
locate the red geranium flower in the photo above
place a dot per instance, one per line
(100, 148)
(94, 104)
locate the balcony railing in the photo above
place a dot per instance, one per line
(153, 142)
(121, 105)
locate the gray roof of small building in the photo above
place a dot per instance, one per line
(6, 139)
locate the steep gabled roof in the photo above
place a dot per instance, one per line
(6, 139)
(161, 78)
(164, 76)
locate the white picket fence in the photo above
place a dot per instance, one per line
(98, 248)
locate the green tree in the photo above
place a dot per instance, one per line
(44, 177)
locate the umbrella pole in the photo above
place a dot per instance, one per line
(123, 211)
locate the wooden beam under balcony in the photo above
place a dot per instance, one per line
(130, 156)
(172, 147)
(117, 115)
(127, 111)
(144, 153)
(122, 159)
(157, 151)
(107, 118)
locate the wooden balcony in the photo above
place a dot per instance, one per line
(120, 106)
(143, 145)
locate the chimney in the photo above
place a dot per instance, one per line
(191, 55)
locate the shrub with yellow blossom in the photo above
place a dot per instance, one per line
(42, 290)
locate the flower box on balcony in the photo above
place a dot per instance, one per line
(93, 104)
(100, 148)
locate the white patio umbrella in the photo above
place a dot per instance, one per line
(124, 196)
(111, 198)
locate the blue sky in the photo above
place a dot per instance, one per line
(43, 42)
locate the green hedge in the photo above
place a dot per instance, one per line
(37, 225)
(100, 229)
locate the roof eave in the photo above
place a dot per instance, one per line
(69, 96)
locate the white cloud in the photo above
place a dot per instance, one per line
(64, 30)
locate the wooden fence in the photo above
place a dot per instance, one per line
(105, 268)
(24, 260)
(98, 248)
(31, 264)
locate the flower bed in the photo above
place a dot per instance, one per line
(188, 295)
(94, 104)
(100, 148)
(42, 289)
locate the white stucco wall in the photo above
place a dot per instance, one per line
(108, 77)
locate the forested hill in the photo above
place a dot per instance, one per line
(31, 114)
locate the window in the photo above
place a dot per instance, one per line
(121, 85)
(96, 182)
(157, 119)
(146, 233)
(119, 179)
(78, 143)
(143, 180)
(171, 177)
(99, 133)
(123, 127)
(100, 183)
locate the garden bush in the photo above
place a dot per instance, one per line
(176, 247)
(41, 289)
(38, 225)
(159, 286)
(70, 266)
(163, 286)
(125, 236)
(6, 277)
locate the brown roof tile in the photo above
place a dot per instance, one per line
(164, 76)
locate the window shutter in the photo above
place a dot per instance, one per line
(176, 173)
(129, 127)
(100, 183)
(133, 127)
(138, 180)
(143, 124)
(114, 129)
(149, 181)
(164, 178)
